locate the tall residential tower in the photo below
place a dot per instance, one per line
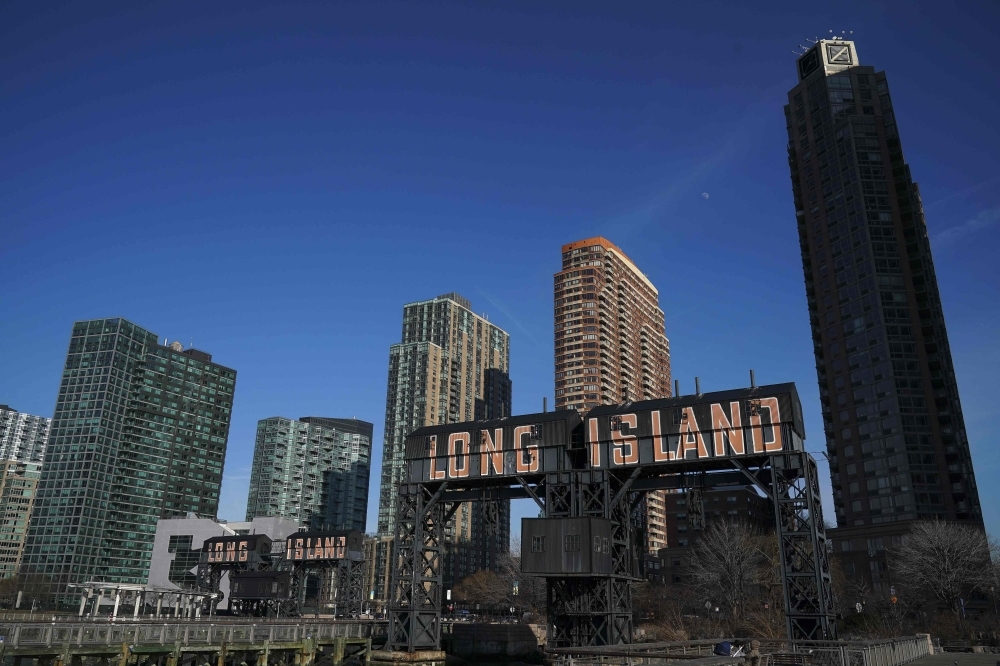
(891, 411)
(23, 439)
(139, 433)
(610, 342)
(437, 374)
(22, 436)
(314, 471)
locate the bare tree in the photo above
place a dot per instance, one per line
(484, 587)
(941, 562)
(506, 586)
(729, 565)
(528, 591)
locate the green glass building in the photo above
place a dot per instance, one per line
(139, 433)
(314, 471)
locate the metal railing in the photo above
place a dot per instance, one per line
(887, 652)
(84, 634)
(891, 652)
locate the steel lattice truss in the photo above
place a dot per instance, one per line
(341, 582)
(602, 469)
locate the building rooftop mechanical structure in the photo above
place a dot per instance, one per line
(589, 476)
(271, 579)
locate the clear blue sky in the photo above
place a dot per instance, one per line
(275, 180)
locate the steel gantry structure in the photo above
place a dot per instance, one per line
(270, 578)
(600, 467)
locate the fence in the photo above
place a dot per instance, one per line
(894, 652)
(84, 634)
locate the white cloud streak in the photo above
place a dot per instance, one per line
(742, 138)
(505, 312)
(981, 220)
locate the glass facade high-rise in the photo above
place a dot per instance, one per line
(437, 373)
(891, 411)
(139, 433)
(610, 342)
(314, 471)
(23, 438)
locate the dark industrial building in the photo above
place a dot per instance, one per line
(891, 411)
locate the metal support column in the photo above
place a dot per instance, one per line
(415, 609)
(346, 581)
(597, 610)
(805, 565)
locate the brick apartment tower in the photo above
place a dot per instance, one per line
(610, 341)
(891, 412)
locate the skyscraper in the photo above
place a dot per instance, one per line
(895, 433)
(23, 439)
(610, 342)
(139, 433)
(496, 400)
(314, 471)
(22, 436)
(436, 375)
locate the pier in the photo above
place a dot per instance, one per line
(241, 643)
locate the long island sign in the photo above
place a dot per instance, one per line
(729, 424)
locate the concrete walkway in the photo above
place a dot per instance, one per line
(960, 658)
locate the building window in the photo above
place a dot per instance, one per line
(179, 541)
(538, 544)
(572, 544)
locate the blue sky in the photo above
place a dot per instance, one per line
(273, 182)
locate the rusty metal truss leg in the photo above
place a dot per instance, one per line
(415, 609)
(350, 587)
(594, 610)
(805, 565)
(560, 495)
